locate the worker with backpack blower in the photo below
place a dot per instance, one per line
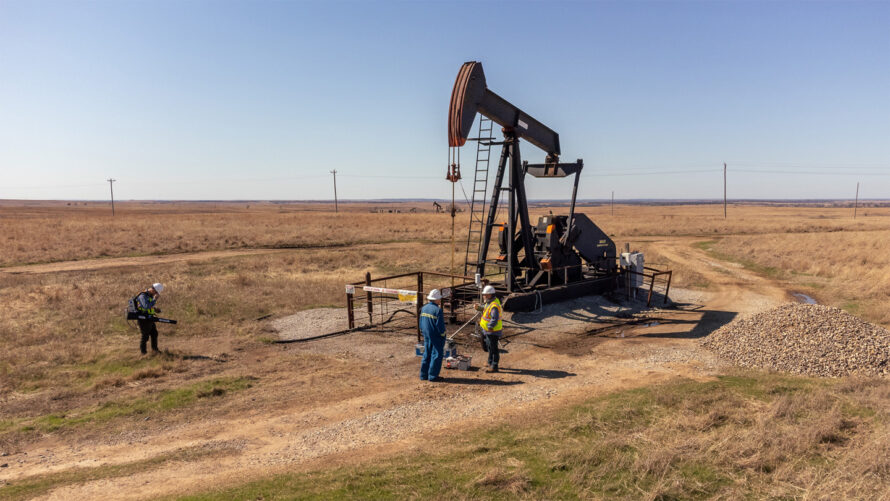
(145, 302)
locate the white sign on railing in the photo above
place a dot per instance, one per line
(407, 296)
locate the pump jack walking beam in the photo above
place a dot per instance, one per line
(471, 95)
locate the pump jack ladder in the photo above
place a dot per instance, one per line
(477, 201)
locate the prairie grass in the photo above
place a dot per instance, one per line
(71, 323)
(849, 269)
(63, 235)
(749, 435)
(64, 335)
(38, 485)
(163, 401)
(35, 234)
(70, 326)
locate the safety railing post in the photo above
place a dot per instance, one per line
(419, 302)
(651, 287)
(350, 314)
(453, 316)
(370, 303)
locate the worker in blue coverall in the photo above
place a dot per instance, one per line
(432, 324)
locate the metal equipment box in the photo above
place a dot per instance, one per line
(633, 261)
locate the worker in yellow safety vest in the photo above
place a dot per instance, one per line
(491, 325)
(146, 303)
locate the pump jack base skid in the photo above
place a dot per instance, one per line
(535, 298)
(528, 301)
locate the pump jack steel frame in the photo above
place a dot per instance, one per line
(470, 96)
(518, 206)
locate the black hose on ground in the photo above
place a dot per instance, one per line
(366, 328)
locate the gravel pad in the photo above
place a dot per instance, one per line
(804, 339)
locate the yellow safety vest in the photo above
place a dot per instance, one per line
(485, 322)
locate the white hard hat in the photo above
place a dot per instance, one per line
(488, 290)
(434, 295)
(159, 287)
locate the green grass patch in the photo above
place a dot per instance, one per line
(163, 401)
(852, 307)
(768, 271)
(668, 441)
(85, 375)
(705, 245)
(813, 285)
(31, 487)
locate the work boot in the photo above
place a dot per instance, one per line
(493, 368)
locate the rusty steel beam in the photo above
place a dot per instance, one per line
(471, 95)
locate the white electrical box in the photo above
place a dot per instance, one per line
(633, 261)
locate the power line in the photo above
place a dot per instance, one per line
(648, 173)
(388, 177)
(812, 173)
(809, 165)
(622, 173)
(43, 187)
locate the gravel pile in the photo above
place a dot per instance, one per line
(805, 339)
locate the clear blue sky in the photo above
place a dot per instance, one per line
(259, 100)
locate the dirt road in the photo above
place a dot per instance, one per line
(136, 261)
(354, 397)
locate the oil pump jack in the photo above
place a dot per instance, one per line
(560, 257)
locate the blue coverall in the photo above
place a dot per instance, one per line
(432, 324)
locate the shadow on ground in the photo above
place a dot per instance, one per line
(475, 382)
(601, 327)
(594, 308)
(538, 373)
(710, 321)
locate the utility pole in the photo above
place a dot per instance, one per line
(856, 203)
(612, 205)
(724, 190)
(336, 204)
(111, 185)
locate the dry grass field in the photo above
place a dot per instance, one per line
(69, 363)
(850, 269)
(48, 234)
(39, 234)
(55, 320)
